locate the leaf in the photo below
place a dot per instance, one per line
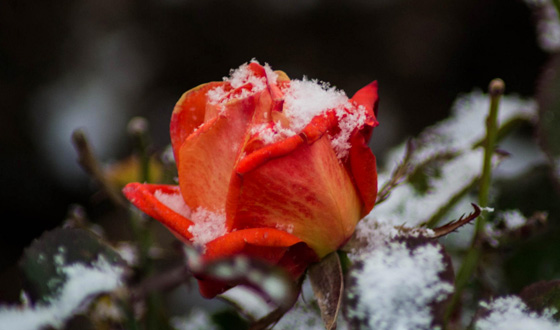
(542, 295)
(42, 261)
(549, 114)
(328, 284)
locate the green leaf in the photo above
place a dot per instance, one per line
(43, 260)
(328, 284)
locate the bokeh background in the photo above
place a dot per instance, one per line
(94, 64)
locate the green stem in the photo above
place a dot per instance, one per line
(470, 262)
(496, 90)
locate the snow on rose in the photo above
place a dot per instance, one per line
(272, 168)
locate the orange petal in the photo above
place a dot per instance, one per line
(144, 196)
(208, 156)
(271, 245)
(307, 192)
(189, 114)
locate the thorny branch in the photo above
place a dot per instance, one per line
(454, 225)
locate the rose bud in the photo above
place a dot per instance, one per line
(271, 168)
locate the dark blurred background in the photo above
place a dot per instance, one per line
(95, 64)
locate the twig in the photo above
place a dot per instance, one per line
(399, 174)
(89, 163)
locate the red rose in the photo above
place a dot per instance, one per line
(270, 168)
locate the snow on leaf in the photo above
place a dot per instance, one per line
(511, 313)
(396, 287)
(82, 283)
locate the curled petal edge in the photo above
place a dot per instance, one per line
(143, 197)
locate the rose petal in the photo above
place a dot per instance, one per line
(361, 161)
(189, 113)
(363, 170)
(369, 99)
(271, 245)
(208, 156)
(144, 197)
(307, 192)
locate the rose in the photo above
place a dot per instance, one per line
(270, 168)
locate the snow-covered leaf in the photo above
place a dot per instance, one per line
(82, 282)
(511, 313)
(403, 284)
(44, 260)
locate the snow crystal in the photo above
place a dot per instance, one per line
(239, 77)
(271, 133)
(511, 313)
(174, 201)
(207, 226)
(216, 94)
(197, 319)
(372, 235)
(82, 283)
(347, 123)
(271, 76)
(243, 75)
(305, 99)
(397, 286)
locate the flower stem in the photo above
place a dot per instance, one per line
(496, 89)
